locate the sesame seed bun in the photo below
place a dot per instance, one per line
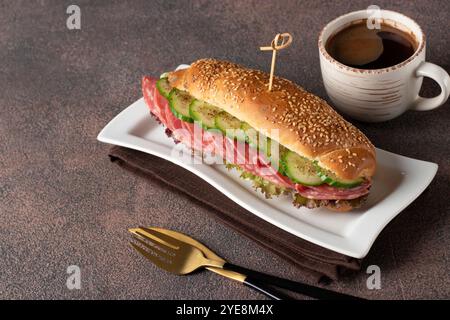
(306, 124)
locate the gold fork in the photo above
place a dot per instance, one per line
(179, 257)
(181, 254)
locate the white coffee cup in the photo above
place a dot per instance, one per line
(380, 94)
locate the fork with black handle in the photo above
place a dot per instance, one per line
(182, 257)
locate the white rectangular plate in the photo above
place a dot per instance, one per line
(398, 182)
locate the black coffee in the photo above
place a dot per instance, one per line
(358, 46)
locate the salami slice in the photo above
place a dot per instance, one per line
(326, 192)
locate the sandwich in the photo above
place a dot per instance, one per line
(287, 141)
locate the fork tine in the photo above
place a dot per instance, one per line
(164, 237)
(148, 234)
(153, 258)
(155, 248)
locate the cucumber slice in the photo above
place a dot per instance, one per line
(251, 135)
(245, 127)
(276, 158)
(330, 178)
(258, 140)
(179, 102)
(254, 138)
(163, 87)
(300, 170)
(266, 144)
(229, 125)
(204, 113)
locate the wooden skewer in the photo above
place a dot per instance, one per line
(286, 40)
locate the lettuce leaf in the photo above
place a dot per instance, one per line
(300, 201)
(268, 188)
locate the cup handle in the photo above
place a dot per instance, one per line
(438, 74)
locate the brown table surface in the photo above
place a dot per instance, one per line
(63, 203)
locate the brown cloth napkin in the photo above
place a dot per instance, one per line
(319, 264)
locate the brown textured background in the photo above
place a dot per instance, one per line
(62, 202)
